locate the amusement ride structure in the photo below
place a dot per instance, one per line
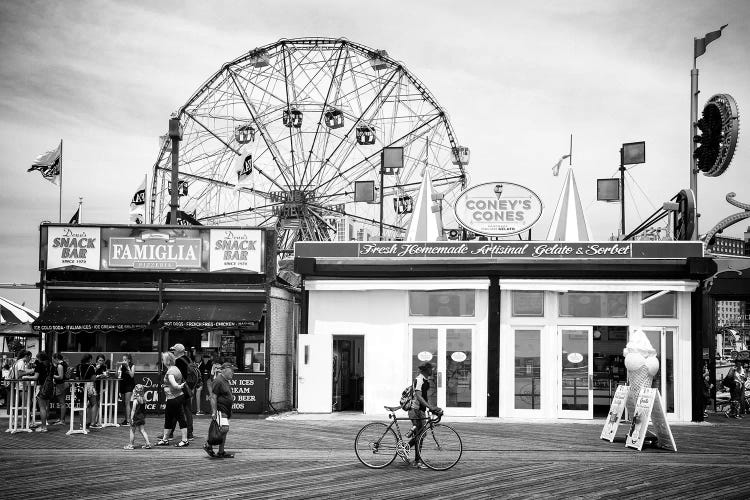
(322, 139)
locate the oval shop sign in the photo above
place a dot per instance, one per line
(498, 208)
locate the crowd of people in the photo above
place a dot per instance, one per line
(184, 383)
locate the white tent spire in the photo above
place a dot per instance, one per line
(569, 223)
(425, 225)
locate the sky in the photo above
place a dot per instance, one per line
(515, 78)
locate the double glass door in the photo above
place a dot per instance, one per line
(450, 350)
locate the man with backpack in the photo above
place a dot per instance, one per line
(185, 365)
(421, 386)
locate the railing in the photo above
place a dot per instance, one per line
(21, 406)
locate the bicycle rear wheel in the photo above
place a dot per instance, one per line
(375, 445)
(440, 447)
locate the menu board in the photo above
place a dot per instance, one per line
(614, 416)
(649, 406)
(227, 348)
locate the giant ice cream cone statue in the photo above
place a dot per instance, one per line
(642, 364)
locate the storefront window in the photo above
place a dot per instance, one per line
(528, 303)
(594, 304)
(660, 307)
(441, 303)
(527, 375)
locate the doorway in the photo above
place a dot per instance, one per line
(347, 380)
(450, 349)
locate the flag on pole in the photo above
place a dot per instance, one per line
(183, 219)
(76, 217)
(138, 204)
(244, 167)
(556, 168)
(49, 164)
(699, 44)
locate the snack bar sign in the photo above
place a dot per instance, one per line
(498, 209)
(73, 247)
(236, 250)
(155, 251)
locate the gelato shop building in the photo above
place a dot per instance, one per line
(523, 329)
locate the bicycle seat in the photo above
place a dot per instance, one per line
(392, 408)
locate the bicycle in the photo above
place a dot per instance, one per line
(377, 444)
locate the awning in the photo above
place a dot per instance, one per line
(201, 315)
(96, 315)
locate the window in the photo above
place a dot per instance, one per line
(660, 307)
(441, 303)
(594, 304)
(527, 303)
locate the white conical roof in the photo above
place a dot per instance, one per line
(569, 222)
(425, 225)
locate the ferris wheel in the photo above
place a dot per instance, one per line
(322, 139)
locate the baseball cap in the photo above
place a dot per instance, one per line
(228, 365)
(177, 348)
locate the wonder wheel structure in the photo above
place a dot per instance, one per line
(284, 136)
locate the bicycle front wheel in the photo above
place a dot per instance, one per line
(440, 447)
(375, 445)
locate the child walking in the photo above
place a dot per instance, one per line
(138, 418)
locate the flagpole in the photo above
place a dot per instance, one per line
(693, 132)
(145, 198)
(59, 207)
(80, 210)
(570, 153)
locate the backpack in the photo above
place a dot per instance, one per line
(193, 378)
(407, 397)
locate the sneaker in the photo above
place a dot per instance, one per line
(124, 422)
(420, 465)
(40, 429)
(127, 447)
(199, 413)
(191, 437)
(182, 444)
(209, 450)
(162, 442)
(224, 454)
(95, 426)
(58, 422)
(147, 446)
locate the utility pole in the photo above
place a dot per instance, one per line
(175, 135)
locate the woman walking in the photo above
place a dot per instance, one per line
(173, 385)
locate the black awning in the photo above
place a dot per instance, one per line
(96, 315)
(183, 314)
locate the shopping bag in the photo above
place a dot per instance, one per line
(214, 433)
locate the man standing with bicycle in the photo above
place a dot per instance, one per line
(421, 386)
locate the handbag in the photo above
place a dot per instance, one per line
(187, 391)
(214, 433)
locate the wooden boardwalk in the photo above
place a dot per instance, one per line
(305, 458)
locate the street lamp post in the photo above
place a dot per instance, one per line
(631, 153)
(175, 135)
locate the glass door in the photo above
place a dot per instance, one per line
(450, 350)
(576, 370)
(662, 339)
